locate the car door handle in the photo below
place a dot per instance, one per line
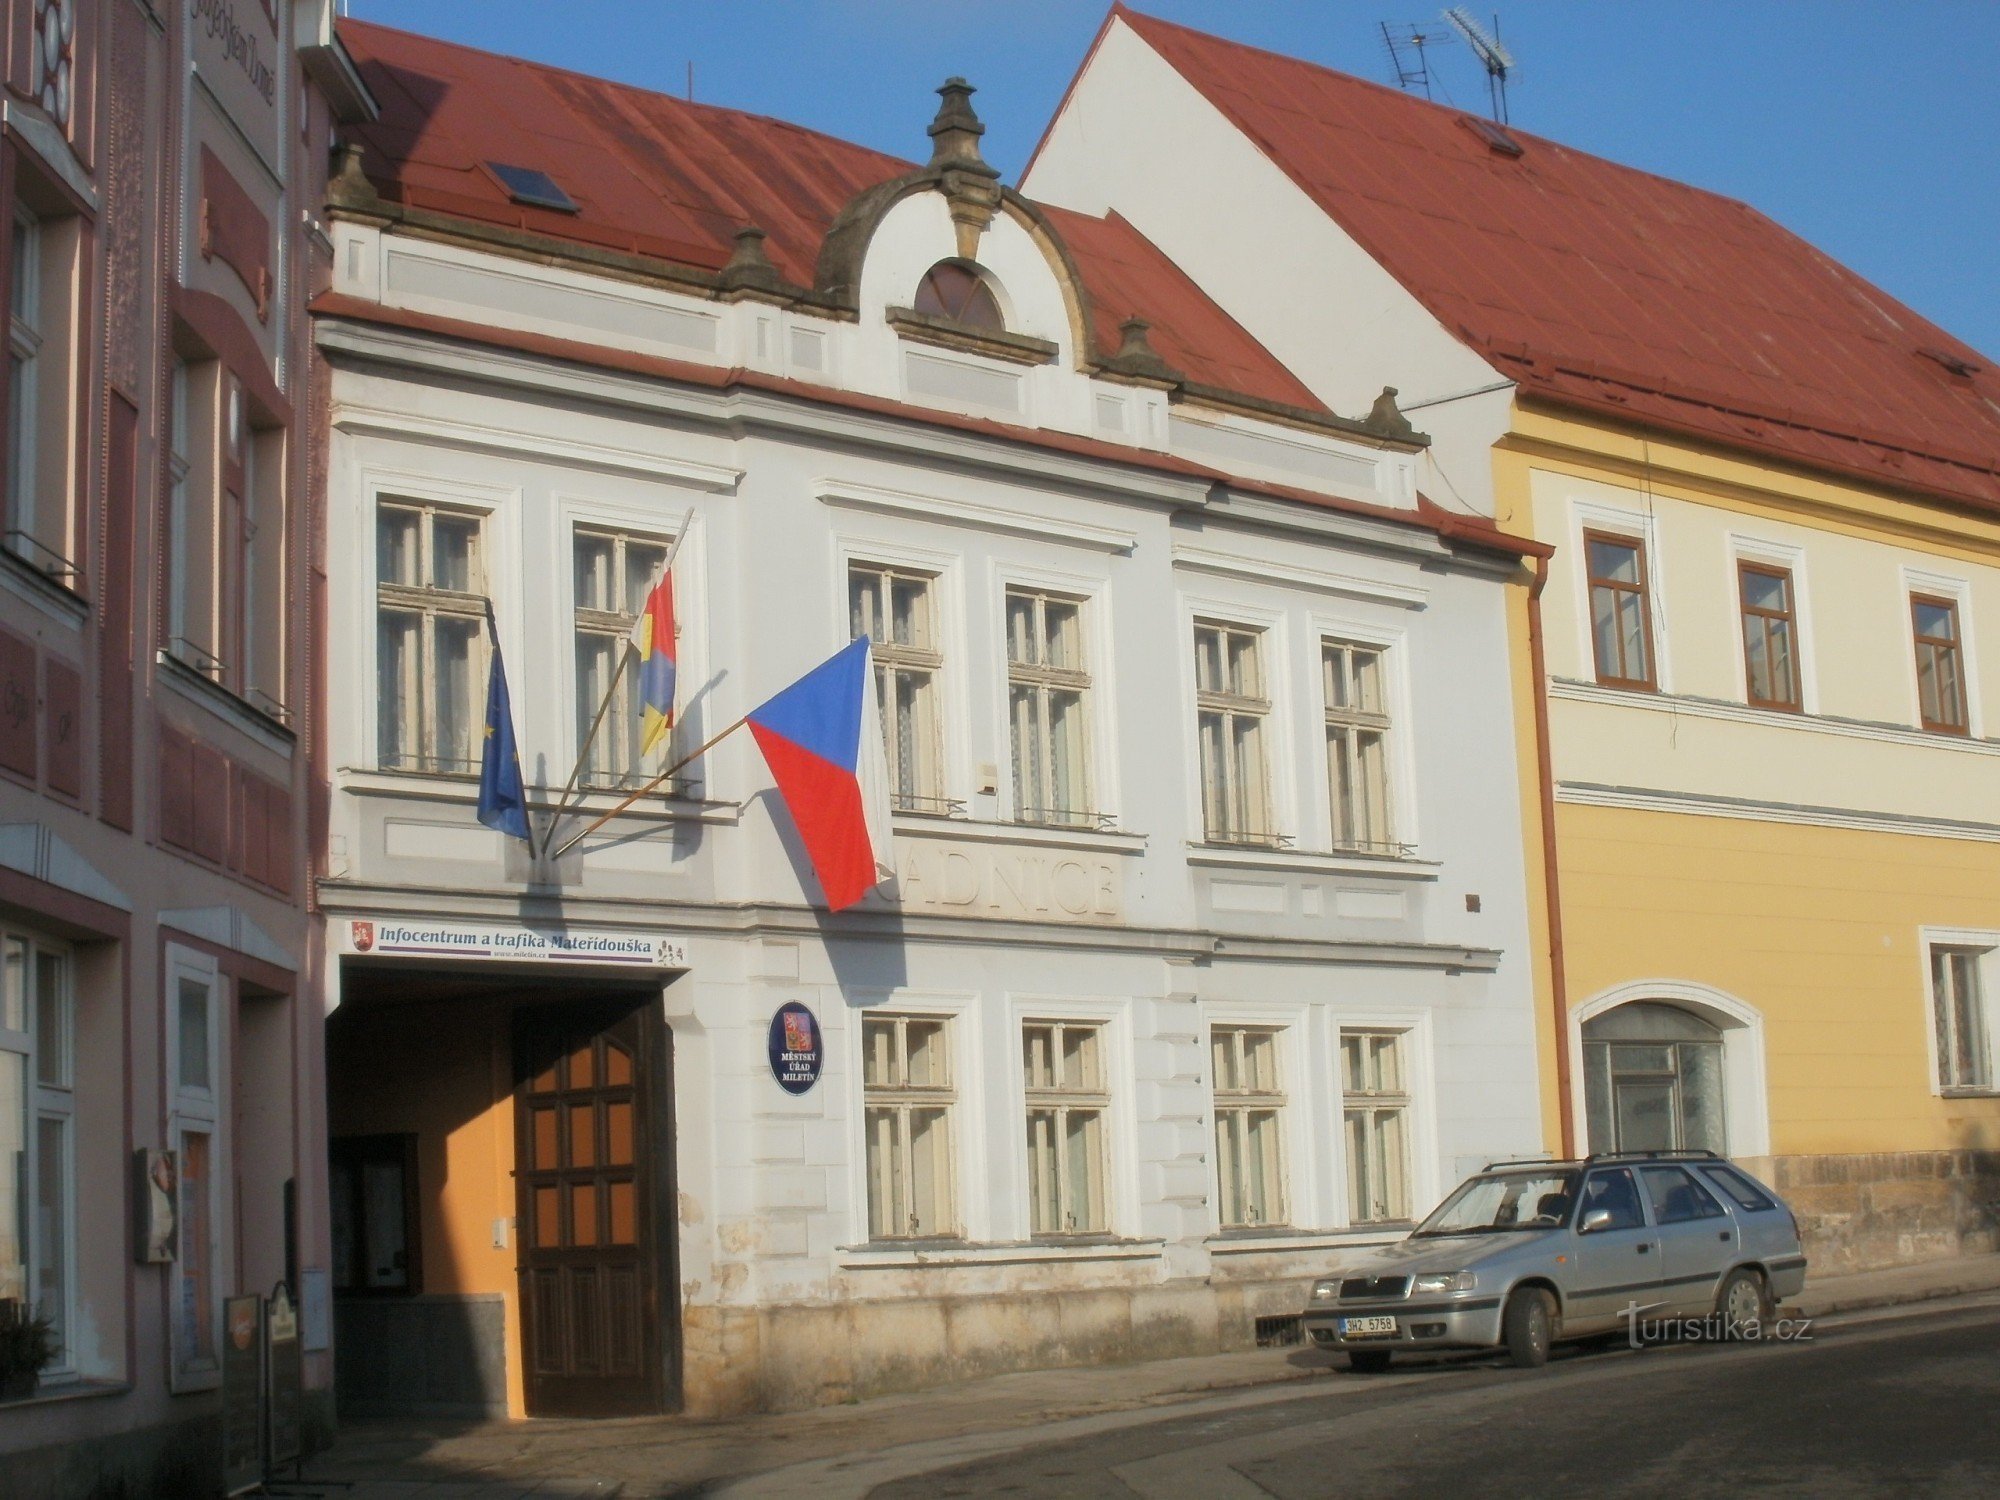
(1723, 1236)
(1644, 1249)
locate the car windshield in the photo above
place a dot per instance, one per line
(1504, 1202)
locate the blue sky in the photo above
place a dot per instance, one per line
(1867, 126)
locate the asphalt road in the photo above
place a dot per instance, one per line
(1902, 1403)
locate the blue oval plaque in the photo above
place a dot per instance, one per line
(797, 1049)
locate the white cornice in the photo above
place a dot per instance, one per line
(981, 517)
(473, 438)
(1649, 799)
(1742, 713)
(40, 135)
(1346, 584)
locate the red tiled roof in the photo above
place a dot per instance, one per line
(1598, 285)
(657, 176)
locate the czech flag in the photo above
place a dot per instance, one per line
(822, 738)
(653, 639)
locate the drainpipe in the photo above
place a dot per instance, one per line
(1545, 775)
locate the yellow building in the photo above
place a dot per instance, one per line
(1760, 672)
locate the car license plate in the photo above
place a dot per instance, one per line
(1367, 1327)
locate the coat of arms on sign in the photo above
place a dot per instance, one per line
(798, 1032)
(363, 934)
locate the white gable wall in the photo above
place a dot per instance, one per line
(1137, 138)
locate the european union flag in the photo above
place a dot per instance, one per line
(502, 803)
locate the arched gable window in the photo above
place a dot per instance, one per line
(954, 289)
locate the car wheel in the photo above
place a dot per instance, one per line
(1368, 1361)
(1743, 1305)
(1528, 1327)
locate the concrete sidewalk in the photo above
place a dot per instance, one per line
(663, 1456)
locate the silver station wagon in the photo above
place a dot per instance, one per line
(1527, 1254)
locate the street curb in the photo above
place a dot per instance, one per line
(1861, 1301)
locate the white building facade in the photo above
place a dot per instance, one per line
(1207, 957)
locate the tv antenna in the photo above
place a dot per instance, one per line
(1406, 42)
(1485, 45)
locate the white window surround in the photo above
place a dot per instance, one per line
(1959, 591)
(498, 509)
(201, 1111)
(1281, 682)
(1420, 1073)
(1121, 1185)
(654, 523)
(968, 1063)
(1400, 704)
(1746, 1108)
(948, 601)
(1986, 939)
(1304, 1167)
(1643, 527)
(1101, 739)
(1740, 548)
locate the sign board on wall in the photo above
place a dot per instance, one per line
(797, 1048)
(233, 45)
(399, 937)
(1011, 881)
(242, 1394)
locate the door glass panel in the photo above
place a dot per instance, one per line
(1701, 1096)
(548, 1219)
(617, 1066)
(624, 1224)
(544, 1133)
(583, 1213)
(582, 1072)
(582, 1135)
(618, 1134)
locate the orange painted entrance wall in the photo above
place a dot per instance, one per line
(441, 1070)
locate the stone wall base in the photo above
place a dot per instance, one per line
(1864, 1211)
(787, 1358)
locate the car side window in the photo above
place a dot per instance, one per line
(1677, 1197)
(1616, 1193)
(1747, 1194)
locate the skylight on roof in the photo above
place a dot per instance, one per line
(1493, 134)
(536, 189)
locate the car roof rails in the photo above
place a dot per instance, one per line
(1528, 1161)
(1678, 1155)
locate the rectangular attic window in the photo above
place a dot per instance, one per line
(537, 189)
(1494, 135)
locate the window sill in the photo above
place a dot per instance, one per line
(1970, 1093)
(1015, 348)
(68, 1389)
(1284, 1241)
(58, 601)
(462, 787)
(944, 1253)
(1052, 835)
(238, 713)
(1577, 690)
(1312, 862)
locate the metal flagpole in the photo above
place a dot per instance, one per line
(693, 755)
(624, 657)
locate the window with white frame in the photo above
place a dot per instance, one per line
(896, 608)
(37, 1133)
(1232, 707)
(45, 352)
(614, 574)
(430, 612)
(1375, 1111)
(1958, 1011)
(1357, 746)
(1249, 1124)
(1068, 1101)
(194, 1021)
(1048, 693)
(907, 1098)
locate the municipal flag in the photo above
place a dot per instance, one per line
(502, 802)
(822, 738)
(653, 640)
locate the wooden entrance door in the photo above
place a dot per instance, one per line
(590, 1314)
